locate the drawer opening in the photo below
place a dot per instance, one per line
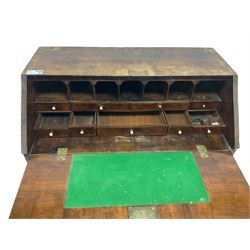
(180, 91)
(82, 119)
(177, 119)
(131, 91)
(207, 118)
(81, 91)
(208, 91)
(52, 121)
(155, 90)
(130, 119)
(106, 91)
(50, 91)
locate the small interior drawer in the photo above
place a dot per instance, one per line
(173, 105)
(52, 107)
(205, 105)
(131, 123)
(178, 122)
(82, 124)
(83, 106)
(206, 121)
(147, 106)
(52, 124)
(102, 106)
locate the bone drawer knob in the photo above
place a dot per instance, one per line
(82, 132)
(131, 131)
(51, 134)
(159, 106)
(53, 108)
(209, 131)
(179, 132)
(204, 106)
(101, 107)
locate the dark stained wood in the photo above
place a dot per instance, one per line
(171, 142)
(127, 100)
(172, 211)
(97, 213)
(43, 188)
(124, 79)
(132, 123)
(51, 106)
(75, 61)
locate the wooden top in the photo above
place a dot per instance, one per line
(124, 62)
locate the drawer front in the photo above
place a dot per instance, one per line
(176, 106)
(51, 133)
(202, 105)
(155, 130)
(113, 107)
(81, 132)
(52, 106)
(207, 130)
(147, 106)
(179, 130)
(81, 106)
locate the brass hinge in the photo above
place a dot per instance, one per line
(61, 154)
(202, 151)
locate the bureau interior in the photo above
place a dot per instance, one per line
(129, 90)
(128, 103)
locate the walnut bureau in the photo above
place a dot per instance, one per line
(86, 99)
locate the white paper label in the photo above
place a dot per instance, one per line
(34, 72)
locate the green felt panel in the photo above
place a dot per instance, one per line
(124, 179)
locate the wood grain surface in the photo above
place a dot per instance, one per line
(89, 61)
(43, 188)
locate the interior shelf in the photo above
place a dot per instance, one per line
(81, 91)
(177, 118)
(131, 91)
(106, 91)
(180, 91)
(155, 91)
(205, 118)
(207, 91)
(50, 91)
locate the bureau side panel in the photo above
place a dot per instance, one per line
(236, 111)
(24, 115)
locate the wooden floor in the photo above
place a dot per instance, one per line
(43, 188)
